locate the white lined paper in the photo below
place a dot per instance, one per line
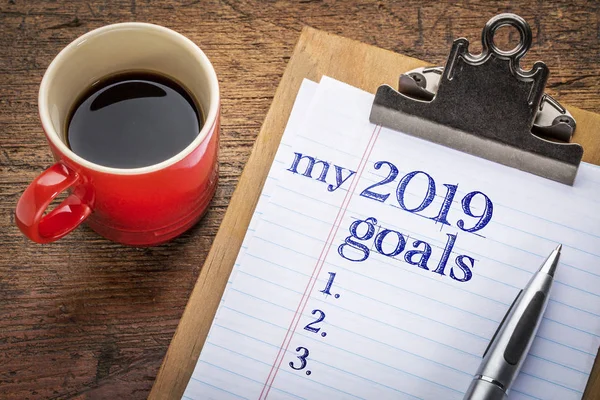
(398, 331)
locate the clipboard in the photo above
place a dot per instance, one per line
(317, 53)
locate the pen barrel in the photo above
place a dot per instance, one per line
(484, 390)
(510, 346)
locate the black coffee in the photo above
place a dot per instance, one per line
(133, 120)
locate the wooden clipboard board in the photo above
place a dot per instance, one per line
(317, 53)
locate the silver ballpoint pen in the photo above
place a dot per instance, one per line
(509, 346)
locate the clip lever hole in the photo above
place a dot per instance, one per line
(499, 36)
(507, 38)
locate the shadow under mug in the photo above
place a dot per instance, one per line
(137, 206)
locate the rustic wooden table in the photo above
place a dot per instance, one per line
(87, 318)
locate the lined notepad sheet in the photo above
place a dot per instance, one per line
(378, 266)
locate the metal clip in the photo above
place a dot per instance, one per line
(552, 121)
(486, 105)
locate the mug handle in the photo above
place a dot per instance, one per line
(37, 197)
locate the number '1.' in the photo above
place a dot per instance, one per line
(329, 283)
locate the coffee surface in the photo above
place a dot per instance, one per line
(133, 120)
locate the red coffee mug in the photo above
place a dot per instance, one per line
(137, 206)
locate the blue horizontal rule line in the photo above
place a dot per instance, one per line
(433, 240)
(592, 200)
(573, 327)
(354, 312)
(402, 309)
(554, 383)
(390, 305)
(576, 288)
(403, 289)
(557, 363)
(410, 312)
(373, 319)
(372, 381)
(482, 296)
(295, 231)
(284, 370)
(566, 345)
(550, 240)
(367, 337)
(417, 294)
(573, 307)
(523, 231)
(248, 378)
(457, 248)
(366, 358)
(408, 270)
(525, 394)
(382, 261)
(320, 362)
(219, 388)
(350, 352)
(304, 215)
(332, 148)
(387, 283)
(554, 222)
(458, 191)
(322, 202)
(451, 347)
(541, 256)
(495, 204)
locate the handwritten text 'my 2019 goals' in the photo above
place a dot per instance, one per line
(415, 193)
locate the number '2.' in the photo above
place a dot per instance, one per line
(310, 326)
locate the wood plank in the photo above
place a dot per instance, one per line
(85, 318)
(317, 53)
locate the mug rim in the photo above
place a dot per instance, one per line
(211, 114)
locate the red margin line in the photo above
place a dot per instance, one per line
(319, 265)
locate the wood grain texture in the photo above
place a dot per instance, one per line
(85, 318)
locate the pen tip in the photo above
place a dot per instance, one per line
(551, 262)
